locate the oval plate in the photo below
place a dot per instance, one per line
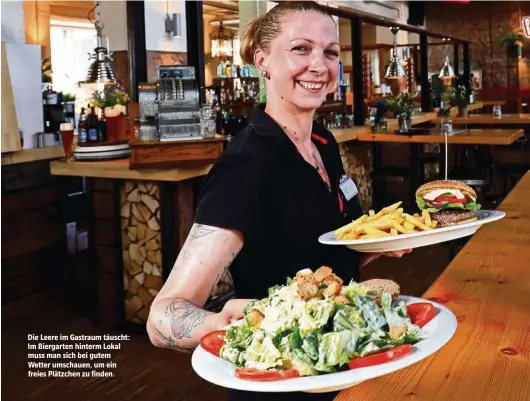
(416, 239)
(436, 334)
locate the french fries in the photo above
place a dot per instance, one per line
(389, 221)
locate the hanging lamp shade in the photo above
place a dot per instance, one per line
(395, 68)
(222, 42)
(447, 70)
(101, 69)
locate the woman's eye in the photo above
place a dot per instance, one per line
(300, 48)
(332, 53)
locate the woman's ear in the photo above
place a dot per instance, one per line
(260, 61)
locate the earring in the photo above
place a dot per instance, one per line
(265, 74)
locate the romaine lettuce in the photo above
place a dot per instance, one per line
(423, 205)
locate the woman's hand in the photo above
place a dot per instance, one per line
(370, 257)
(232, 311)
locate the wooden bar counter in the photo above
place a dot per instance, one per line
(140, 220)
(487, 286)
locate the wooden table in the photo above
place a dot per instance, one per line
(487, 286)
(462, 137)
(488, 119)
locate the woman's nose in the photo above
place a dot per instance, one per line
(317, 64)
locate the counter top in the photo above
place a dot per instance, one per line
(488, 119)
(33, 155)
(352, 134)
(119, 169)
(486, 287)
(463, 137)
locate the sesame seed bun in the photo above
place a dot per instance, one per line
(447, 184)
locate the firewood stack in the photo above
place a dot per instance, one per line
(141, 239)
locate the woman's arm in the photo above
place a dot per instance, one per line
(176, 319)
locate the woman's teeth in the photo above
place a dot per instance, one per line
(309, 85)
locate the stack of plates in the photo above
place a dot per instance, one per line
(99, 151)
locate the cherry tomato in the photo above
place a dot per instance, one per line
(450, 199)
(421, 313)
(266, 375)
(381, 357)
(213, 342)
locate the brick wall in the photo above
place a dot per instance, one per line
(485, 23)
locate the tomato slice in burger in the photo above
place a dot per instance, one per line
(450, 199)
(213, 342)
(421, 313)
(381, 357)
(266, 375)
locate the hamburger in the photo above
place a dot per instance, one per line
(449, 202)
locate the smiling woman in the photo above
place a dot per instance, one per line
(278, 186)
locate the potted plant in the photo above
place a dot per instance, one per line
(403, 107)
(112, 100)
(514, 42)
(46, 69)
(461, 100)
(69, 101)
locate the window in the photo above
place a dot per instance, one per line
(71, 45)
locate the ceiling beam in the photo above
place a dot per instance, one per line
(224, 6)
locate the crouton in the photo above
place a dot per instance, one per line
(255, 317)
(304, 274)
(322, 273)
(333, 285)
(396, 332)
(342, 300)
(307, 290)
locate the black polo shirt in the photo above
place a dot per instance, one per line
(263, 187)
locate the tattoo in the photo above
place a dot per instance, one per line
(199, 230)
(184, 317)
(161, 340)
(221, 274)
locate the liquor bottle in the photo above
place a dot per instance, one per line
(103, 135)
(220, 70)
(251, 93)
(92, 126)
(228, 69)
(81, 127)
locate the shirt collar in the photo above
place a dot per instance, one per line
(267, 127)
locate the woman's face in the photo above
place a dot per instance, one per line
(303, 61)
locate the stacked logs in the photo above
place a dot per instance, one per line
(141, 247)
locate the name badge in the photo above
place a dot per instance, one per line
(348, 187)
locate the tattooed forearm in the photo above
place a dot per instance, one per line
(184, 317)
(164, 341)
(225, 271)
(200, 230)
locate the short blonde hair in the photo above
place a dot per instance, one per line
(264, 29)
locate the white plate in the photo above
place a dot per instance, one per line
(416, 239)
(436, 334)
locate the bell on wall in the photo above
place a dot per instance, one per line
(101, 69)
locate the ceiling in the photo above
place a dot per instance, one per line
(221, 10)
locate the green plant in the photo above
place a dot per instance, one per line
(460, 96)
(46, 69)
(402, 105)
(513, 39)
(68, 97)
(110, 96)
